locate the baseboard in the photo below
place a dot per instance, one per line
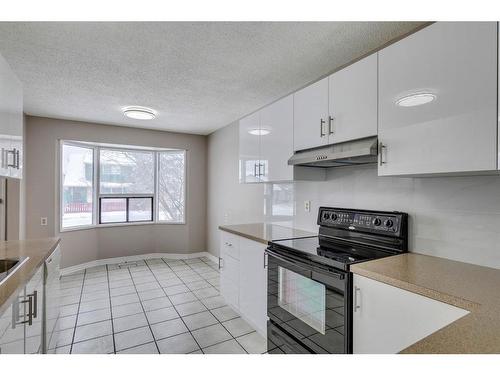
(132, 258)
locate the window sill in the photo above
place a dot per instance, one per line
(112, 225)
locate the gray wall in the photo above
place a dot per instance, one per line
(42, 191)
(451, 217)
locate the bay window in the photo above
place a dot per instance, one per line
(113, 185)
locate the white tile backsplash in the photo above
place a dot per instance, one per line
(452, 217)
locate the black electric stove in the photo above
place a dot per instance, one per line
(309, 283)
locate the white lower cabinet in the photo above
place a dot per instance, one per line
(34, 296)
(29, 321)
(387, 319)
(12, 332)
(253, 284)
(243, 279)
(51, 299)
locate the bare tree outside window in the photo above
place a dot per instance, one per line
(171, 185)
(126, 172)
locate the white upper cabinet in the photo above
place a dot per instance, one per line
(310, 116)
(353, 101)
(455, 64)
(249, 148)
(276, 140)
(11, 122)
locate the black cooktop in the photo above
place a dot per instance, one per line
(335, 253)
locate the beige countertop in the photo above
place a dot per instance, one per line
(262, 232)
(37, 250)
(471, 287)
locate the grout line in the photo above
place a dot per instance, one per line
(111, 311)
(183, 322)
(144, 311)
(77, 313)
(147, 268)
(219, 322)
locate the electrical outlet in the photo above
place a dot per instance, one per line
(43, 221)
(307, 206)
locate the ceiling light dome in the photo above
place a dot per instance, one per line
(416, 99)
(259, 131)
(139, 113)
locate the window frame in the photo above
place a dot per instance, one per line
(96, 195)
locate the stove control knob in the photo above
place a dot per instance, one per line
(334, 216)
(389, 223)
(377, 221)
(326, 215)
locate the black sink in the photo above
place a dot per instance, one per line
(9, 266)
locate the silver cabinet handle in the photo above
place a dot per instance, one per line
(4, 158)
(14, 153)
(221, 263)
(381, 148)
(34, 295)
(357, 306)
(18, 159)
(32, 310)
(330, 125)
(265, 258)
(321, 123)
(255, 169)
(264, 168)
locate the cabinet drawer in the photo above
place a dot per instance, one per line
(230, 244)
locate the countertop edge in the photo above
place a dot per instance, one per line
(242, 234)
(25, 277)
(417, 289)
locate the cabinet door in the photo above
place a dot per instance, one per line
(51, 297)
(310, 116)
(34, 296)
(456, 62)
(11, 326)
(353, 101)
(253, 284)
(229, 279)
(249, 148)
(387, 319)
(229, 268)
(276, 140)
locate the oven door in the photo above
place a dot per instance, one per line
(309, 303)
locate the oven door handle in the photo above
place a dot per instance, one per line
(296, 267)
(317, 274)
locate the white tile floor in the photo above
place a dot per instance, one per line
(153, 306)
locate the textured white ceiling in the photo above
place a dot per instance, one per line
(198, 76)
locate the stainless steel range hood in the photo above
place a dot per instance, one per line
(355, 152)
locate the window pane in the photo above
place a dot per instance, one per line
(140, 209)
(77, 185)
(113, 210)
(126, 172)
(171, 186)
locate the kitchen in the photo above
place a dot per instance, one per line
(357, 201)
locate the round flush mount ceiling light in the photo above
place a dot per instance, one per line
(259, 131)
(417, 99)
(139, 113)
